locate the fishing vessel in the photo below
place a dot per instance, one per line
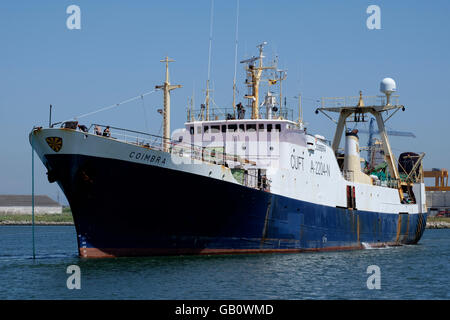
(248, 179)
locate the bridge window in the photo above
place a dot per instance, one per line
(191, 130)
(224, 128)
(215, 129)
(261, 127)
(251, 127)
(232, 127)
(199, 130)
(205, 129)
(241, 128)
(278, 127)
(269, 127)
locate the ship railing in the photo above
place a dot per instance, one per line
(253, 179)
(218, 113)
(176, 147)
(390, 183)
(337, 102)
(349, 175)
(128, 136)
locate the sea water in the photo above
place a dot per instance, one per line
(407, 272)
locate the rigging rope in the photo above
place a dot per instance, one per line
(111, 106)
(145, 115)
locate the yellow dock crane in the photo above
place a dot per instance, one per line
(441, 179)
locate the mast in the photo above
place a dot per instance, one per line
(256, 78)
(167, 87)
(255, 74)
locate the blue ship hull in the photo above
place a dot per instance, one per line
(126, 209)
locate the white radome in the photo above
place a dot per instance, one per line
(388, 85)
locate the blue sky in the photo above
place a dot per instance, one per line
(325, 46)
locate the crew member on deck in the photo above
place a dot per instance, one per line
(240, 110)
(106, 132)
(83, 128)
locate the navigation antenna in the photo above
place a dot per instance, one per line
(192, 103)
(281, 77)
(300, 110)
(209, 60)
(235, 58)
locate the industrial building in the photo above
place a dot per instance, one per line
(438, 202)
(22, 204)
(438, 196)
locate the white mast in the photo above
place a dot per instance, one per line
(167, 87)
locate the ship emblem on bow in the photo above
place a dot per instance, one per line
(55, 143)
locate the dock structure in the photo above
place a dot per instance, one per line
(441, 179)
(22, 204)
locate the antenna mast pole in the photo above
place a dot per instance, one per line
(192, 103)
(50, 118)
(300, 110)
(209, 60)
(235, 58)
(281, 78)
(167, 87)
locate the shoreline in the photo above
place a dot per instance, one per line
(38, 223)
(430, 225)
(437, 225)
(66, 219)
(42, 219)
